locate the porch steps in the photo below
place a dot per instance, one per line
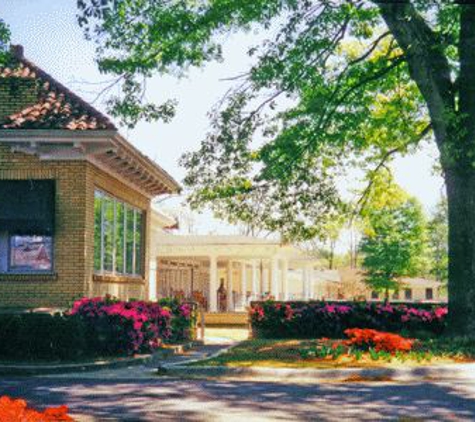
(226, 319)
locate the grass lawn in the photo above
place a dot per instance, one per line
(288, 354)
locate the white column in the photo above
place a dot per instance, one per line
(304, 283)
(265, 280)
(314, 284)
(285, 279)
(229, 287)
(243, 303)
(152, 279)
(274, 285)
(308, 281)
(255, 280)
(213, 284)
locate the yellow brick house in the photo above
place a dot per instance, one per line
(75, 196)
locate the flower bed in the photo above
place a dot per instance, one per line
(95, 327)
(16, 410)
(378, 349)
(324, 319)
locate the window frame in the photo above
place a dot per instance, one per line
(136, 212)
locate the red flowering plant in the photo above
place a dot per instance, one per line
(366, 339)
(16, 410)
(119, 327)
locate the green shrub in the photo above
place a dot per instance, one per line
(42, 336)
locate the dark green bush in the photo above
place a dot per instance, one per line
(42, 336)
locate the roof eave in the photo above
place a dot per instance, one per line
(151, 166)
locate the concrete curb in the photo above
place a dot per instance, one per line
(51, 369)
(28, 370)
(442, 372)
(165, 366)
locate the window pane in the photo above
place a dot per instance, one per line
(138, 242)
(130, 241)
(97, 230)
(108, 221)
(119, 238)
(31, 253)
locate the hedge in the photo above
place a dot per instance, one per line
(96, 327)
(330, 319)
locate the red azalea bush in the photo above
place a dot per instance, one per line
(378, 340)
(16, 410)
(326, 319)
(120, 327)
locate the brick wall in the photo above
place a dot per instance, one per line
(69, 280)
(74, 236)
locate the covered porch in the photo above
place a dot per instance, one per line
(226, 273)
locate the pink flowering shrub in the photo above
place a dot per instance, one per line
(96, 327)
(183, 322)
(120, 327)
(328, 319)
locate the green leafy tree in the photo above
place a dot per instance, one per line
(331, 235)
(438, 232)
(363, 80)
(4, 40)
(393, 245)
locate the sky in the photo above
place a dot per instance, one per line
(52, 39)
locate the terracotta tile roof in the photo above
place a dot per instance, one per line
(57, 106)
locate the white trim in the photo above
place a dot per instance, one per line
(56, 135)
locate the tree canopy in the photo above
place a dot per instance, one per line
(438, 232)
(336, 83)
(394, 244)
(330, 88)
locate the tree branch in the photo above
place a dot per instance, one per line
(382, 163)
(428, 65)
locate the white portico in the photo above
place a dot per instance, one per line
(224, 273)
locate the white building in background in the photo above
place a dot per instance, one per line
(226, 272)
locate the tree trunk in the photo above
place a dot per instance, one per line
(461, 286)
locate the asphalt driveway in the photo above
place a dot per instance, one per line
(212, 400)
